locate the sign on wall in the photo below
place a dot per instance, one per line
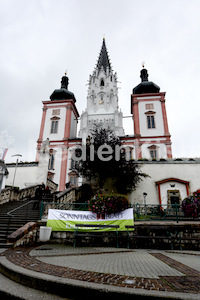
(65, 220)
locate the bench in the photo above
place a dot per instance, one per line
(148, 237)
(94, 233)
(182, 239)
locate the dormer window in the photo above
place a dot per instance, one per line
(102, 82)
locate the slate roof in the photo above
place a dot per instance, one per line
(146, 86)
(103, 59)
(63, 93)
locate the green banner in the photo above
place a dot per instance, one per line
(65, 220)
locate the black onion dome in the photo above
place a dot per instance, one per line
(63, 93)
(146, 86)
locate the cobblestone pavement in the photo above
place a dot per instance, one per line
(137, 269)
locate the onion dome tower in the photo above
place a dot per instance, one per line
(59, 126)
(152, 137)
(63, 92)
(146, 86)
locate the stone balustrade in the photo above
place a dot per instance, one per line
(14, 194)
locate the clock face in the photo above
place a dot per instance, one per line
(101, 102)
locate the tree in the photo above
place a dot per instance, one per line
(106, 158)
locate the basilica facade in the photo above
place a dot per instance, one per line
(149, 144)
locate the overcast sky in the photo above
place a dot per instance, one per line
(41, 39)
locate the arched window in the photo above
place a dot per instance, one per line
(150, 119)
(54, 125)
(102, 82)
(153, 151)
(51, 159)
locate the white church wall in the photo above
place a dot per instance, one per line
(159, 128)
(172, 186)
(2, 181)
(187, 171)
(57, 164)
(161, 150)
(26, 175)
(73, 126)
(61, 122)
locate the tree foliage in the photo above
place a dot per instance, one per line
(125, 173)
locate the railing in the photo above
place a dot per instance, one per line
(11, 212)
(62, 200)
(45, 206)
(148, 212)
(158, 212)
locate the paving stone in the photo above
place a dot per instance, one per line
(132, 269)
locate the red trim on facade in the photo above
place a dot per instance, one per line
(164, 114)
(172, 179)
(169, 151)
(69, 102)
(138, 150)
(39, 142)
(70, 141)
(158, 183)
(135, 111)
(42, 123)
(67, 123)
(162, 95)
(156, 137)
(187, 189)
(63, 171)
(159, 194)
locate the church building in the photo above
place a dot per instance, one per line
(169, 180)
(151, 137)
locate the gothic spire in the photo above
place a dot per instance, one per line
(103, 60)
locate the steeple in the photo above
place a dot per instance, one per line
(103, 60)
(102, 100)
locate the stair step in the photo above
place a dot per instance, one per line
(6, 245)
(23, 215)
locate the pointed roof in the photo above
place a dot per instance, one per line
(103, 59)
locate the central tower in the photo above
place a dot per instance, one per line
(102, 100)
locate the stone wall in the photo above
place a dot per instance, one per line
(188, 231)
(25, 235)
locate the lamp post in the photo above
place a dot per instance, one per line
(18, 155)
(145, 208)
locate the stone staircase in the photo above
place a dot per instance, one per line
(13, 215)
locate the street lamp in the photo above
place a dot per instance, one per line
(145, 194)
(18, 155)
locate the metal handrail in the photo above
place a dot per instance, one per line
(10, 212)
